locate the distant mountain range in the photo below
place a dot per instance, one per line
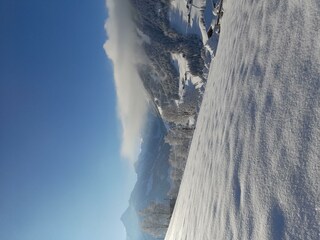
(153, 182)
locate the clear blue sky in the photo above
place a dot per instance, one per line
(61, 176)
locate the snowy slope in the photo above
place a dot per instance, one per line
(253, 170)
(178, 16)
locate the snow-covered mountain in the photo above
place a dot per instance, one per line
(253, 170)
(175, 72)
(174, 76)
(166, 51)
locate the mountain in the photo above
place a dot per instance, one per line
(159, 75)
(174, 77)
(152, 176)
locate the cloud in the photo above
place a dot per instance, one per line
(122, 48)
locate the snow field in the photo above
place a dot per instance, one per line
(253, 170)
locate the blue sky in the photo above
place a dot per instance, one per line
(61, 174)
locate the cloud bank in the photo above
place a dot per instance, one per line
(122, 48)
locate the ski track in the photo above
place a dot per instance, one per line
(253, 170)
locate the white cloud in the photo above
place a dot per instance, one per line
(122, 48)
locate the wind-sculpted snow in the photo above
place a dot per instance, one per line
(253, 170)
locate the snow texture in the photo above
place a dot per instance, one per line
(253, 170)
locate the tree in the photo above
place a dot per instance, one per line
(155, 219)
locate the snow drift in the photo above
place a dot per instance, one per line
(253, 170)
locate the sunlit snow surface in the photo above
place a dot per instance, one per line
(253, 170)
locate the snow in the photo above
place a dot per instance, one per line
(181, 64)
(253, 170)
(191, 121)
(160, 110)
(201, 17)
(178, 17)
(185, 77)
